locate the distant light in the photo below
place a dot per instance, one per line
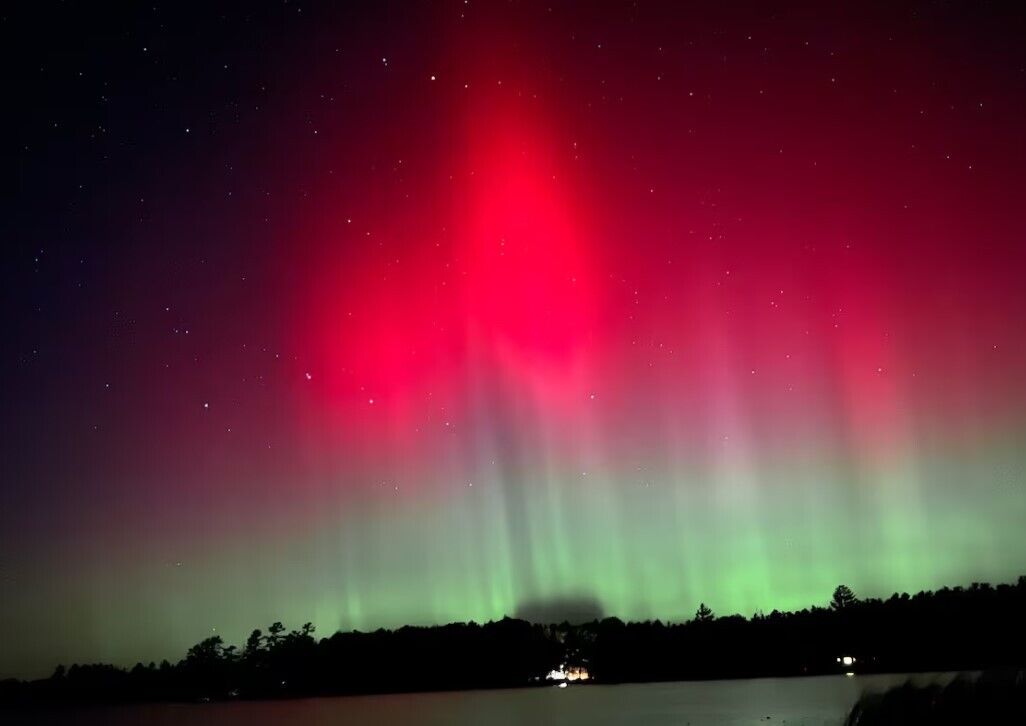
(566, 674)
(847, 660)
(563, 684)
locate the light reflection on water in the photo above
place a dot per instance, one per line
(793, 701)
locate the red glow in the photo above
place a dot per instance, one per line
(679, 274)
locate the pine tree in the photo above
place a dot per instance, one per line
(843, 598)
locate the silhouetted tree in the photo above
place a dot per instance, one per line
(205, 670)
(704, 614)
(843, 598)
(254, 644)
(274, 634)
(206, 651)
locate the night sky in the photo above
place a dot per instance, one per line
(412, 313)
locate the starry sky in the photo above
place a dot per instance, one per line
(418, 312)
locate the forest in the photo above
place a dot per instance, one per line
(952, 629)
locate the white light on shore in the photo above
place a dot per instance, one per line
(571, 673)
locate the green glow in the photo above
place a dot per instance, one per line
(766, 535)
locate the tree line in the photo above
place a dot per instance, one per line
(959, 628)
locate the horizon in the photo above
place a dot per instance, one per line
(573, 623)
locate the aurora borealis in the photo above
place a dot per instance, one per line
(413, 313)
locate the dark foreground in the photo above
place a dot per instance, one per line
(991, 698)
(820, 701)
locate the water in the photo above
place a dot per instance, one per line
(818, 701)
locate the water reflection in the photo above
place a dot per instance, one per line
(817, 701)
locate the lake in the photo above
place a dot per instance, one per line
(795, 701)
